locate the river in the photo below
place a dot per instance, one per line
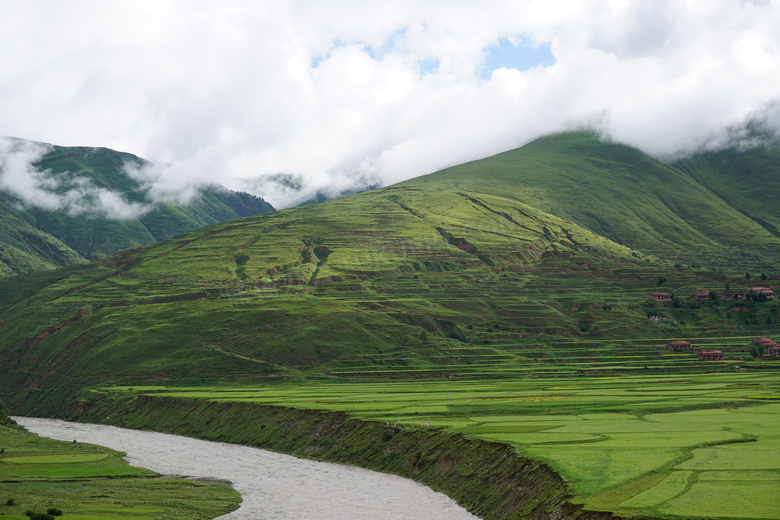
(273, 486)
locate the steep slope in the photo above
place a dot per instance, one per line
(633, 199)
(746, 179)
(34, 239)
(25, 248)
(446, 274)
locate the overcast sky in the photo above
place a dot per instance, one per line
(342, 94)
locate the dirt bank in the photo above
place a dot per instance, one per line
(489, 479)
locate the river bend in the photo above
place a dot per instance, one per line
(273, 486)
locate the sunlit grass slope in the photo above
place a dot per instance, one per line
(450, 274)
(631, 198)
(746, 179)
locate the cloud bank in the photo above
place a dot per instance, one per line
(343, 94)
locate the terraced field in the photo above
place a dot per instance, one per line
(678, 446)
(86, 482)
(509, 298)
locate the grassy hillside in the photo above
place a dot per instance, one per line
(454, 273)
(32, 239)
(39, 474)
(746, 180)
(26, 248)
(711, 214)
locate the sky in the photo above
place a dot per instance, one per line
(334, 95)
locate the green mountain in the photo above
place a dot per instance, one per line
(746, 180)
(703, 210)
(542, 260)
(32, 239)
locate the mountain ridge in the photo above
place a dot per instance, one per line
(444, 274)
(32, 238)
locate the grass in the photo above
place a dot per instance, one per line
(636, 445)
(37, 473)
(32, 239)
(489, 298)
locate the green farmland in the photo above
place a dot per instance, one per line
(37, 474)
(523, 302)
(652, 446)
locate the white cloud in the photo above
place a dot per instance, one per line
(343, 90)
(30, 186)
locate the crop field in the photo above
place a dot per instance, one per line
(488, 299)
(657, 446)
(37, 473)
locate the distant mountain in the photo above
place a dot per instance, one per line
(32, 238)
(506, 265)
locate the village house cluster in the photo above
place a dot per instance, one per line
(771, 347)
(707, 295)
(703, 355)
(704, 295)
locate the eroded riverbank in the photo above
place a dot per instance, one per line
(273, 486)
(489, 479)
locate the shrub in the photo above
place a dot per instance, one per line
(40, 516)
(661, 280)
(456, 333)
(10, 502)
(53, 511)
(763, 276)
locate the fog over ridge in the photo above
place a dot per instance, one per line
(333, 98)
(30, 186)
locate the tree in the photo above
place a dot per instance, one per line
(763, 276)
(757, 349)
(747, 276)
(661, 280)
(423, 336)
(713, 296)
(676, 303)
(728, 286)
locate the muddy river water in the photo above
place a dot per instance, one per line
(273, 486)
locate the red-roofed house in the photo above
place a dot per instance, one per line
(678, 346)
(765, 290)
(661, 297)
(710, 355)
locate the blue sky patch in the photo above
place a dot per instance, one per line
(521, 56)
